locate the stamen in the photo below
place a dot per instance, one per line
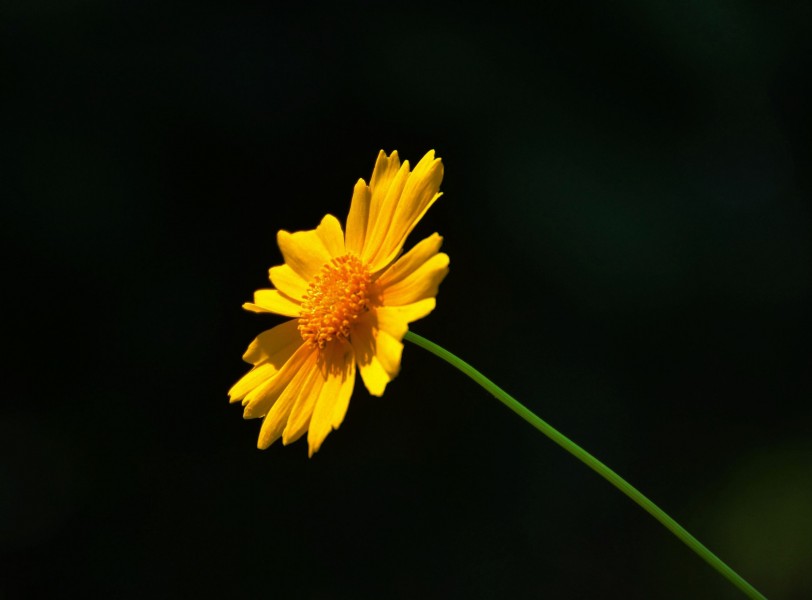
(334, 300)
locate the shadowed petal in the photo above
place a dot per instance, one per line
(277, 416)
(268, 352)
(377, 352)
(260, 400)
(299, 417)
(274, 345)
(335, 397)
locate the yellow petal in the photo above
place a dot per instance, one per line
(272, 301)
(358, 217)
(275, 345)
(287, 281)
(277, 417)
(377, 353)
(268, 352)
(409, 312)
(421, 284)
(254, 378)
(381, 212)
(392, 321)
(416, 275)
(406, 264)
(302, 410)
(386, 167)
(388, 352)
(335, 397)
(420, 191)
(260, 400)
(331, 235)
(306, 252)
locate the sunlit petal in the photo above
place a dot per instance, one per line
(358, 217)
(403, 208)
(306, 252)
(288, 281)
(416, 275)
(273, 301)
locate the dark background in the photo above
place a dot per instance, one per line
(626, 211)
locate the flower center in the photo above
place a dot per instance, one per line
(334, 300)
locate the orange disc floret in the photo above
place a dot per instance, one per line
(335, 298)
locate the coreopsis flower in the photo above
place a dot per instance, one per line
(350, 298)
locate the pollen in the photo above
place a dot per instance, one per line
(336, 297)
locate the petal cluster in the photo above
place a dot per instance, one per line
(350, 297)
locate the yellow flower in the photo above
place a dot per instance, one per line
(351, 298)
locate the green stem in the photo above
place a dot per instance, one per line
(592, 462)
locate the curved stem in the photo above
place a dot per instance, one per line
(590, 461)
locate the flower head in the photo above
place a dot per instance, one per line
(350, 298)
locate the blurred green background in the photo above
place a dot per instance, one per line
(627, 213)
